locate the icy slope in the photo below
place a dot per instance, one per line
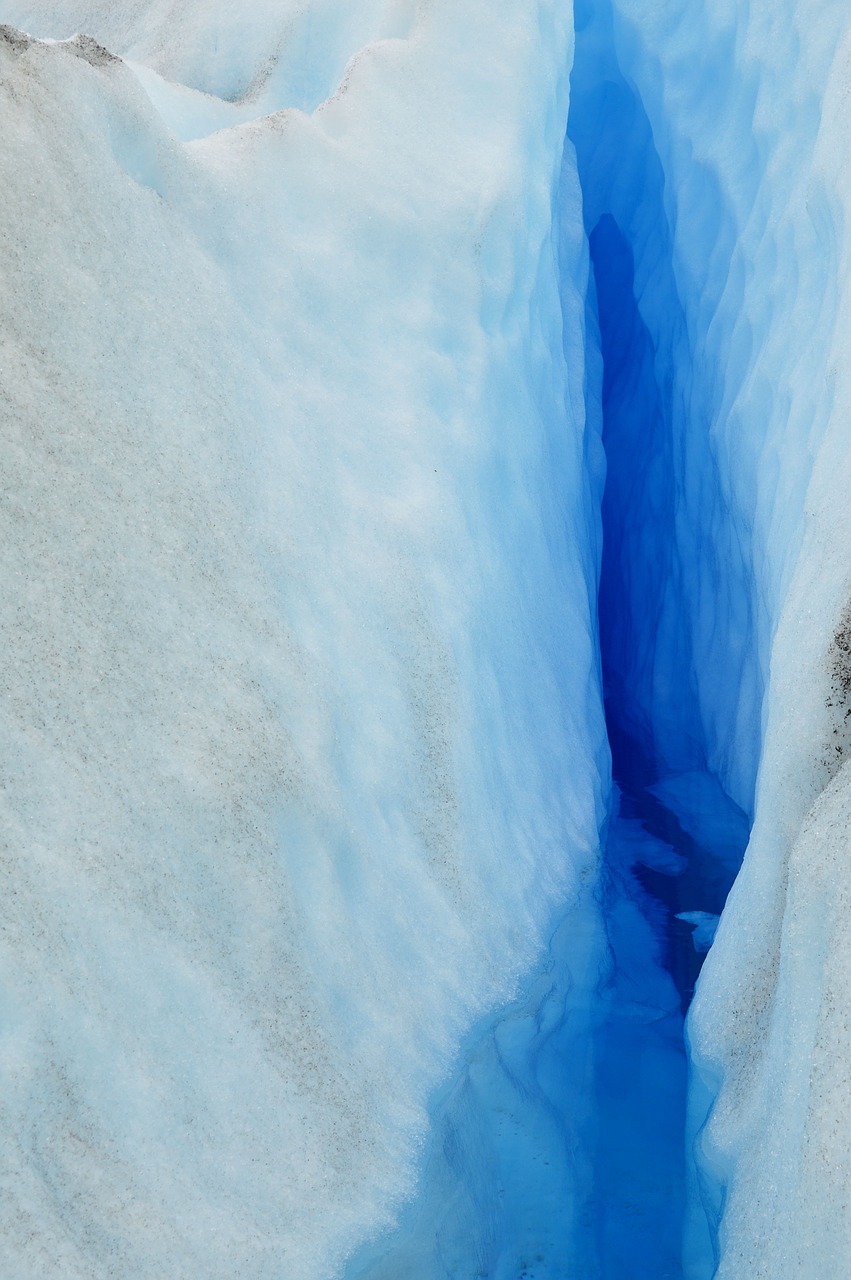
(748, 107)
(295, 521)
(268, 55)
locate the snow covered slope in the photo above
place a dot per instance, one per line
(296, 522)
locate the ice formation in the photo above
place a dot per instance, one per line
(425, 566)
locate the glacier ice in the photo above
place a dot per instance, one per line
(296, 504)
(361, 859)
(752, 160)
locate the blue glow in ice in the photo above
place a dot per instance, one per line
(366, 427)
(560, 1149)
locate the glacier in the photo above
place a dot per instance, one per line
(426, 607)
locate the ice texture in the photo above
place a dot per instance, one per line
(261, 56)
(302, 736)
(748, 109)
(705, 927)
(314, 324)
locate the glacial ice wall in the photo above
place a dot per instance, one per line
(302, 736)
(748, 108)
(303, 745)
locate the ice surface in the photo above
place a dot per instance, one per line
(705, 927)
(715, 197)
(783, 1109)
(558, 1148)
(309, 339)
(507, 1179)
(755, 191)
(266, 55)
(302, 736)
(704, 811)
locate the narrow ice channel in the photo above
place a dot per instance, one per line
(560, 1149)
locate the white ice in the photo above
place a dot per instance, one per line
(302, 740)
(749, 107)
(302, 737)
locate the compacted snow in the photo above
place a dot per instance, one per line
(411, 421)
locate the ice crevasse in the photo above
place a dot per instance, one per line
(323, 325)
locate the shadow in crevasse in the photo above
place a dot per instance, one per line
(673, 847)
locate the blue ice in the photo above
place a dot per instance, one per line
(559, 1149)
(558, 1145)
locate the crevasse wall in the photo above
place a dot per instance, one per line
(662, 486)
(751, 255)
(782, 969)
(302, 736)
(747, 108)
(300, 513)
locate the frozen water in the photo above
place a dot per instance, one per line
(512, 1136)
(295, 507)
(705, 927)
(755, 192)
(314, 330)
(264, 56)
